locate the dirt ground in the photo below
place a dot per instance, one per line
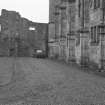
(31, 81)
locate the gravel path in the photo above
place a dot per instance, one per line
(45, 82)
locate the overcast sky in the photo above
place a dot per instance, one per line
(35, 10)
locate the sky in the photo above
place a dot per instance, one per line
(34, 10)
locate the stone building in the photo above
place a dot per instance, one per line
(90, 33)
(10, 29)
(17, 36)
(90, 28)
(78, 31)
(62, 30)
(97, 33)
(10, 23)
(53, 47)
(71, 30)
(82, 31)
(38, 38)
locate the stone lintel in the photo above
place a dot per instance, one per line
(102, 33)
(69, 1)
(52, 22)
(72, 33)
(63, 7)
(101, 25)
(56, 13)
(62, 36)
(83, 30)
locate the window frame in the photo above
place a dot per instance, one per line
(95, 36)
(96, 4)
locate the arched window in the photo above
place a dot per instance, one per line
(79, 8)
(90, 3)
(96, 4)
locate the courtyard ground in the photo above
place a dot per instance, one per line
(31, 81)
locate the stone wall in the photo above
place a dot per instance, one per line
(16, 30)
(52, 4)
(10, 23)
(73, 22)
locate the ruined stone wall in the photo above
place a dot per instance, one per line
(38, 38)
(10, 23)
(24, 28)
(15, 30)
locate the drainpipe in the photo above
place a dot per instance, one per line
(102, 34)
(82, 29)
(83, 14)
